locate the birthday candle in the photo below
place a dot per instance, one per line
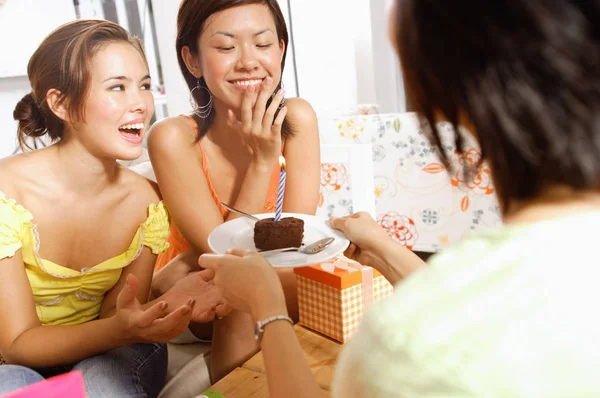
(281, 189)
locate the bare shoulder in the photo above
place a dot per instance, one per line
(16, 171)
(7, 176)
(302, 119)
(172, 133)
(144, 190)
(300, 111)
(140, 194)
(8, 164)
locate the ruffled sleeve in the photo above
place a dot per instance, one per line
(156, 228)
(13, 221)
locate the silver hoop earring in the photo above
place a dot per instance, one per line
(203, 111)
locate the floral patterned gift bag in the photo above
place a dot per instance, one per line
(384, 164)
(418, 201)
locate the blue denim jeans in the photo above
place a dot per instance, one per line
(137, 371)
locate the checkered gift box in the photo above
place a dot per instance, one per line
(332, 296)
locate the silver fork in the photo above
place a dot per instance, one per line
(313, 248)
(241, 213)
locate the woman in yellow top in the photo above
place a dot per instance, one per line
(79, 234)
(507, 313)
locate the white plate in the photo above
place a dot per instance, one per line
(239, 233)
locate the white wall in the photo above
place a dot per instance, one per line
(343, 54)
(177, 93)
(23, 25)
(388, 83)
(333, 56)
(12, 89)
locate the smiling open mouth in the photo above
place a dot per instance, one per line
(246, 83)
(132, 132)
(134, 129)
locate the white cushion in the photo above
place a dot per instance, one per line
(145, 169)
(188, 373)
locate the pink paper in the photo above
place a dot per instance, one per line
(66, 385)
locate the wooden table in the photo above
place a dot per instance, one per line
(250, 380)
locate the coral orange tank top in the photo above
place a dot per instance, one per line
(177, 243)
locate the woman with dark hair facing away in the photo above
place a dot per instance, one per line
(509, 312)
(79, 234)
(232, 54)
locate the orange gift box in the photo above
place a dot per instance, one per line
(333, 296)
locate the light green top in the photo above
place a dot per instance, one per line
(507, 313)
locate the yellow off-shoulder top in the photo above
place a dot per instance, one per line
(62, 295)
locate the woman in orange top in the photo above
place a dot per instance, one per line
(232, 58)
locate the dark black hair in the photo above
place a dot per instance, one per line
(191, 18)
(525, 73)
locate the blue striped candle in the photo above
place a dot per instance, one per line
(281, 189)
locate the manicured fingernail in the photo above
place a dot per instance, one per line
(268, 80)
(163, 305)
(192, 303)
(281, 91)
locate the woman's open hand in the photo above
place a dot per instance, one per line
(154, 324)
(199, 286)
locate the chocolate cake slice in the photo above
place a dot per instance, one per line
(287, 232)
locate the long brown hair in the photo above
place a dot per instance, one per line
(191, 18)
(525, 73)
(63, 62)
